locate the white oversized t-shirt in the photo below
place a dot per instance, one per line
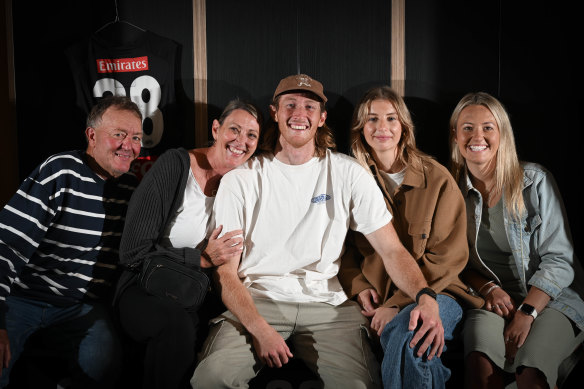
(295, 219)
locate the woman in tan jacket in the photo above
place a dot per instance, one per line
(429, 217)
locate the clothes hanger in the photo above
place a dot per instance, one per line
(117, 20)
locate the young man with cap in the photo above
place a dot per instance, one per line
(295, 204)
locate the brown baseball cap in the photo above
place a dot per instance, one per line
(300, 82)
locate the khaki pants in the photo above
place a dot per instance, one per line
(331, 340)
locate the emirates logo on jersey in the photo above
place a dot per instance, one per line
(122, 65)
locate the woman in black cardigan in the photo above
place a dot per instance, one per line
(171, 212)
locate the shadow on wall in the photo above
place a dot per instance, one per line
(431, 127)
(339, 115)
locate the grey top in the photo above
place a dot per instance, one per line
(493, 247)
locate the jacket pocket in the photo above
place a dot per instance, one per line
(419, 233)
(532, 223)
(531, 239)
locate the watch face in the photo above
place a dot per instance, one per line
(526, 308)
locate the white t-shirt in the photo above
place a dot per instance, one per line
(295, 219)
(393, 180)
(193, 221)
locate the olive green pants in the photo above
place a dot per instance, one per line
(331, 340)
(551, 340)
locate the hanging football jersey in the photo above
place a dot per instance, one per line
(143, 69)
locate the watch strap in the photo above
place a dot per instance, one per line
(429, 291)
(528, 310)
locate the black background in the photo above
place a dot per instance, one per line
(524, 52)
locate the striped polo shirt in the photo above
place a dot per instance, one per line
(60, 232)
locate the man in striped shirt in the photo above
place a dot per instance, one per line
(59, 237)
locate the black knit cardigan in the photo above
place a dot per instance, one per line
(152, 205)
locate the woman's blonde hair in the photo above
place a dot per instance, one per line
(508, 171)
(407, 150)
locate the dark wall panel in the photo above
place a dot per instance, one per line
(522, 53)
(451, 49)
(541, 85)
(341, 43)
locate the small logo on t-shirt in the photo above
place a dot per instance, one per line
(320, 198)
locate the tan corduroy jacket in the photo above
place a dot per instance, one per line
(430, 219)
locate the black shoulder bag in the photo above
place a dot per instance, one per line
(168, 276)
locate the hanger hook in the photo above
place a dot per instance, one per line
(117, 14)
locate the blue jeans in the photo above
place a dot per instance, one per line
(83, 334)
(401, 367)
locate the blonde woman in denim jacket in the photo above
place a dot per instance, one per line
(521, 260)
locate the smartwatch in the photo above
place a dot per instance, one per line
(427, 291)
(528, 310)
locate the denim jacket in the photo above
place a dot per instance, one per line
(540, 241)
